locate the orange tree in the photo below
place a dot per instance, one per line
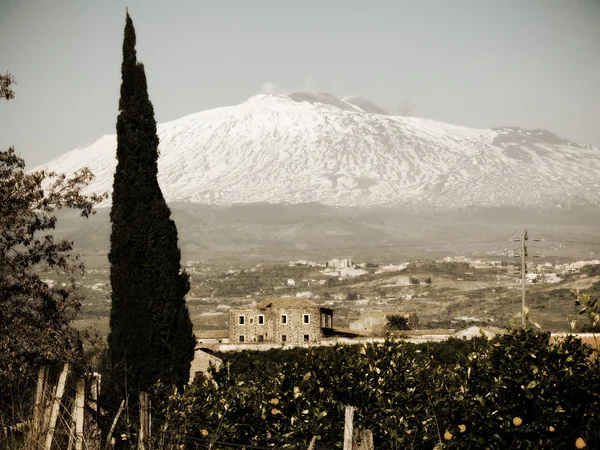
(517, 392)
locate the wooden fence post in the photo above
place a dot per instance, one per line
(363, 440)
(114, 424)
(143, 443)
(94, 441)
(33, 437)
(348, 425)
(79, 414)
(72, 426)
(60, 390)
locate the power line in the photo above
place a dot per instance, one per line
(210, 443)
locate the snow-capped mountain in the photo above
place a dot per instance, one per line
(308, 147)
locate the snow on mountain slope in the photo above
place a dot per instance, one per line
(364, 104)
(307, 147)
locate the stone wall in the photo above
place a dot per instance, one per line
(293, 330)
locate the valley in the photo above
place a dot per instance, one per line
(240, 254)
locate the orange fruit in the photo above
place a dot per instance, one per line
(517, 421)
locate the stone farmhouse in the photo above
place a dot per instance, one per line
(280, 320)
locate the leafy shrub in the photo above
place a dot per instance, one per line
(517, 391)
(397, 322)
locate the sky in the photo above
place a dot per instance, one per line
(476, 63)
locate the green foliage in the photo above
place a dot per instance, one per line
(397, 322)
(439, 268)
(544, 385)
(35, 318)
(588, 306)
(245, 282)
(6, 81)
(151, 333)
(591, 270)
(517, 391)
(453, 351)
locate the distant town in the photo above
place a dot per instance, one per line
(449, 294)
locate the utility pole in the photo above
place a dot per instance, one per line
(523, 277)
(523, 254)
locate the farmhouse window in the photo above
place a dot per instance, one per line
(284, 318)
(261, 338)
(306, 338)
(241, 338)
(261, 320)
(241, 320)
(306, 318)
(283, 338)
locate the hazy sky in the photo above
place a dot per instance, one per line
(478, 63)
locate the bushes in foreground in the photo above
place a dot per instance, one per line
(516, 392)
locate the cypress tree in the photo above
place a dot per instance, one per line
(151, 334)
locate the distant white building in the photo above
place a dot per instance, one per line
(339, 263)
(551, 278)
(331, 273)
(291, 282)
(530, 278)
(455, 259)
(302, 262)
(475, 331)
(577, 265)
(392, 268)
(306, 294)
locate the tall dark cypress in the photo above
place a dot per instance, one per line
(151, 334)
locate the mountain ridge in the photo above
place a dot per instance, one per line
(313, 147)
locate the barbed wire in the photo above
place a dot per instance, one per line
(209, 443)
